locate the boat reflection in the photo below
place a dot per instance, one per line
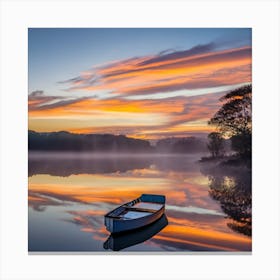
(117, 242)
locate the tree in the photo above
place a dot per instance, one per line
(216, 144)
(234, 119)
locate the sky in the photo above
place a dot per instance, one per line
(147, 83)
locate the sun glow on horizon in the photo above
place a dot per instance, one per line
(166, 94)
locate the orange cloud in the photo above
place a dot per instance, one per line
(148, 118)
(152, 116)
(176, 71)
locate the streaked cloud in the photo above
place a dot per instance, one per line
(195, 68)
(37, 100)
(150, 117)
(36, 93)
(172, 93)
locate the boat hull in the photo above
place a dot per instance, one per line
(115, 226)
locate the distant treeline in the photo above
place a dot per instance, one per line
(182, 145)
(65, 141)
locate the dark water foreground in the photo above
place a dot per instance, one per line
(208, 208)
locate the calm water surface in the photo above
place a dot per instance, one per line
(207, 208)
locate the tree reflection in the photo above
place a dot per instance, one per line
(231, 186)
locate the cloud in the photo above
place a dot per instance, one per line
(36, 93)
(198, 67)
(221, 77)
(37, 98)
(62, 103)
(171, 93)
(147, 118)
(38, 101)
(199, 49)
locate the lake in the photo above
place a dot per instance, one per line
(208, 208)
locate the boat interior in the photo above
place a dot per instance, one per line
(135, 209)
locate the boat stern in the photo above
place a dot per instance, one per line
(153, 198)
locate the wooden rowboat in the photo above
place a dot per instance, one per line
(137, 213)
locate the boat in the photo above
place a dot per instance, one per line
(137, 213)
(120, 241)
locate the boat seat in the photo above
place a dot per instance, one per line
(132, 208)
(148, 205)
(134, 215)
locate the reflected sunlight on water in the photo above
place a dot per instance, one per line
(69, 197)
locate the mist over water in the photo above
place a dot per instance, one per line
(65, 163)
(69, 194)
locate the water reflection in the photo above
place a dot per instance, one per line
(61, 164)
(66, 164)
(117, 242)
(232, 188)
(69, 195)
